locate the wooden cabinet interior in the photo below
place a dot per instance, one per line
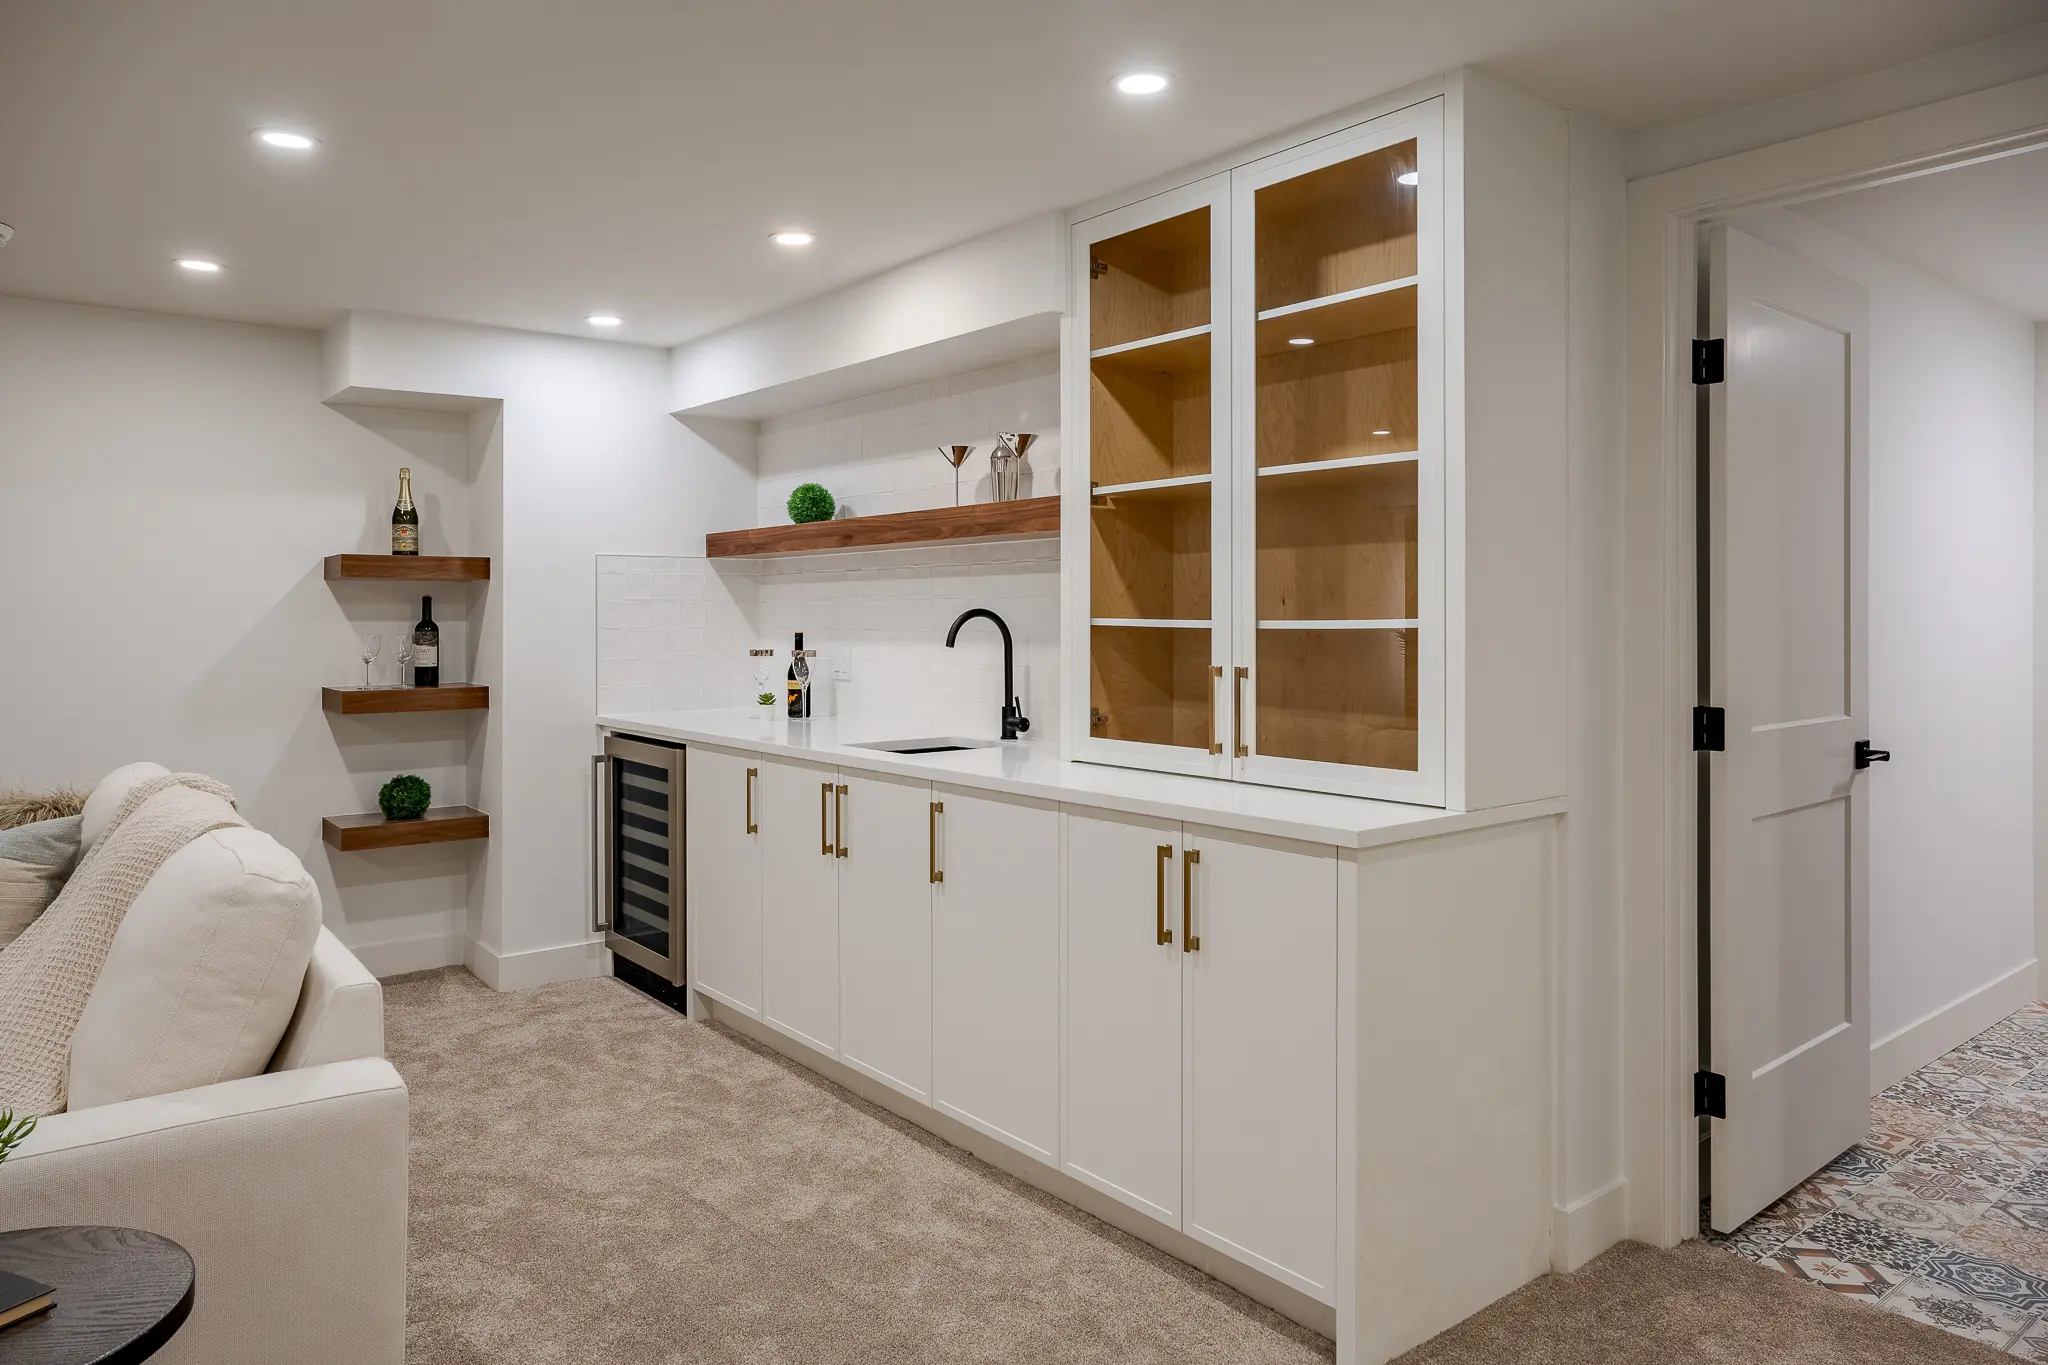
(1149, 555)
(1337, 696)
(1150, 282)
(1338, 400)
(1339, 544)
(1337, 229)
(1151, 685)
(1147, 424)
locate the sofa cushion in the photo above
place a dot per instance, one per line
(107, 797)
(34, 861)
(203, 975)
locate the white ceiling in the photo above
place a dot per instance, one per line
(526, 162)
(1982, 227)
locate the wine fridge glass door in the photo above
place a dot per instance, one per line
(643, 867)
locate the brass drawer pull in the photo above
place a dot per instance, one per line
(839, 817)
(1237, 711)
(1165, 857)
(1215, 744)
(752, 773)
(938, 809)
(1188, 942)
(824, 817)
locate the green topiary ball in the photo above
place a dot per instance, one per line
(810, 502)
(404, 797)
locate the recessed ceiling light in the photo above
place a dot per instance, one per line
(604, 319)
(1143, 82)
(289, 141)
(199, 265)
(1301, 341)
(1410, 177)
(794, 237)
(1383, 432)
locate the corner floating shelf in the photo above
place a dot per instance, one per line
(1023, 519)
(409, 568)
(440, 825)
(378, 701)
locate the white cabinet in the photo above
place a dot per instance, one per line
(799, 901)
(1123, 1010)
(885, 929)
(724, 858)
(1261, 1041)
(996, 968)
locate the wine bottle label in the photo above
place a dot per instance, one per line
(405, 540)
(426, 656)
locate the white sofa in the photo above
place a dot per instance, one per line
(288, 1188)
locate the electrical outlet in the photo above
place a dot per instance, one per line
(841, 660)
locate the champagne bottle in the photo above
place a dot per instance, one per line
(405, 519)
(799, 682)
(426, 648)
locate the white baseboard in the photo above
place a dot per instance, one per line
(1899, 1055)
(539, 967)
(1584, 1228)
(396, 957)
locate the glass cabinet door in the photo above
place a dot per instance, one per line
(1339, 666)
(1157, 437)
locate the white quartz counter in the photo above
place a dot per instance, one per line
(1033, 768)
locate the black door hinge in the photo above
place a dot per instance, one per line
(1709, 729)
(1709, 365)
(1710, 1094)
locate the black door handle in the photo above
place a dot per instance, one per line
(1865, 755)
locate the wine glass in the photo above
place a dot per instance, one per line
(403, 639)
(371, 643)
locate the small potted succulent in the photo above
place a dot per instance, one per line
(404, 797)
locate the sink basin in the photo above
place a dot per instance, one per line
(943, 744)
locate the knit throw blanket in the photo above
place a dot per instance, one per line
(47, 974)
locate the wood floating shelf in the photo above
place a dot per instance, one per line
(440, 825)
(380, 701)
(409, 568)
(1023, 519)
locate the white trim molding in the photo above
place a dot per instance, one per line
(1584, 1228)
(421, 953)
(539, 967)
(1900, 1054)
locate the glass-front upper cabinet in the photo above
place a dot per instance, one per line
(1262, 564)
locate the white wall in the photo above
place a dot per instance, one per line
(2040, 649)
(1951, 593)
(171, 487)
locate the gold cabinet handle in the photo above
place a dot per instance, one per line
(752, 773)
(1237, 711)
(1215, 744)
(839, 818)
(1188, 942)
(1165, 857)
(824, 817)
(932, 831)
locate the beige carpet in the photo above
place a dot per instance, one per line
(595, 1179)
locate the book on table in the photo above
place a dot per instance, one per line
(21, 1297)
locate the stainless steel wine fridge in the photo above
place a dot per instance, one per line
(640, 864)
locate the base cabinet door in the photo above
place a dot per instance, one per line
(1261, 1055)
(1123, 1010)
(724, 861)
(800, 901)
(996, 969)
(885, 930)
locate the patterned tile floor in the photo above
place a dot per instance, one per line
(1941, 1213)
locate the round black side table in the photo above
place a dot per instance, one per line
(121, 1294)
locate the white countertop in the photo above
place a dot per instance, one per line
(1033, 768)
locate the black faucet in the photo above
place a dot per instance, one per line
(1014, 723)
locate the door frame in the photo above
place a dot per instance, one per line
(1659, 840)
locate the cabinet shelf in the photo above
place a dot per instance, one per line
(1186, 486)
(1394, 624)
(1181, 352)
(409, 568)
(378, 701)
(1377, 308)
(1150, 622)
(1312, 467)
(1023, 519)
(440, 825)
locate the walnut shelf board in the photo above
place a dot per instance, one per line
(409, 568)
(378, 701)
(441, 824)
(1023, 519)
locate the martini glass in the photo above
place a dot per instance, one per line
(956, 456)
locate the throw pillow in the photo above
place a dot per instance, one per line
(34, 861)
(107, 797)
(30, 808)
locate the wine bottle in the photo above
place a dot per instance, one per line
(405, 519)
(426, 648)
(799, 682)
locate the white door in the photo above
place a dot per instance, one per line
(799, 901)
(996, 969)
(1122, 1074)
(1785, 903)
(722, 794)
(1261, 1054)
(885, 931)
